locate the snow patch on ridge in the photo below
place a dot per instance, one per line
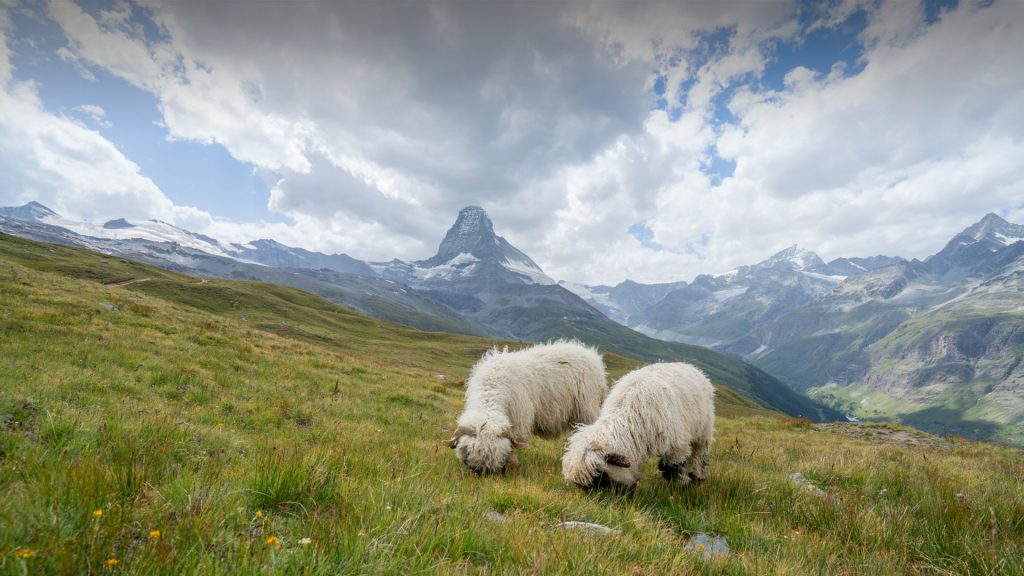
(152, 230)
(536, 275)
(461, 265)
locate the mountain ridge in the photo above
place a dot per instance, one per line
(936, 343)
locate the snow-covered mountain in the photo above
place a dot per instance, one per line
(151, 230)
(718, 309)
(470, 248)
(937, 343)
(31, 212)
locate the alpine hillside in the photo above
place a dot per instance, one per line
(477, 283)
(157, 423)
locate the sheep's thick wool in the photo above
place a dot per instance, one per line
(662, 410)
(510, 396)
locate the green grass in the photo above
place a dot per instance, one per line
(236, 439)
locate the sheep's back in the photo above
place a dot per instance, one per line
(543, 389)
(663, 401)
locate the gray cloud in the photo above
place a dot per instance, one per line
(382, 119)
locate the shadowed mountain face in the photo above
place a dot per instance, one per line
(477, 283)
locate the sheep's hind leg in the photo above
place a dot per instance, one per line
(673, 466)
(696, 464)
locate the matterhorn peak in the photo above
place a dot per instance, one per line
(472, 240)
(472, 233)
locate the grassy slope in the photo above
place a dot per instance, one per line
(173, 414)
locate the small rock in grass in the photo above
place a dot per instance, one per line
(798, 479)
(496, 516)
(441, 377)
(707, 546)
(589, 527)
(108, 306)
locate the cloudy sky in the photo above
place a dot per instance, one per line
(608, 141)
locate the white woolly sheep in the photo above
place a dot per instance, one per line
(663, 410)
(542, 390)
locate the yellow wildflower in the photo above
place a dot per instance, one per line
(274, 541)
(112, 561)
(259, 513)
(97, 512)
(24, 553)
(154, 534)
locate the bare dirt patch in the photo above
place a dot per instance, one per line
(885, 434)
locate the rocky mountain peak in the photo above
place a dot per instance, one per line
(994, 229)
(31, 212)
(796, 257)
(472, 247)
(120, 223)
(970, 249)
(472, 233)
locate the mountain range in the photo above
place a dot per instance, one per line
(936, 343)
(477, 283)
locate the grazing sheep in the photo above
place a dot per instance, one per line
(664, 410)
(543, 390)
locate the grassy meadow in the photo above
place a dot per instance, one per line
(154, 423)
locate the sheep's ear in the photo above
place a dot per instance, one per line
(617, 460)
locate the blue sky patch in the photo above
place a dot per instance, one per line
(642, 232)
(205, 176)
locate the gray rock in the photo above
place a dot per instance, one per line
(707, 546)
(798, 479)
(496, 516)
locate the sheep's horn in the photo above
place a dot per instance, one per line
(459, 432)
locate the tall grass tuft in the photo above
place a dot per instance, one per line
(293, 480)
